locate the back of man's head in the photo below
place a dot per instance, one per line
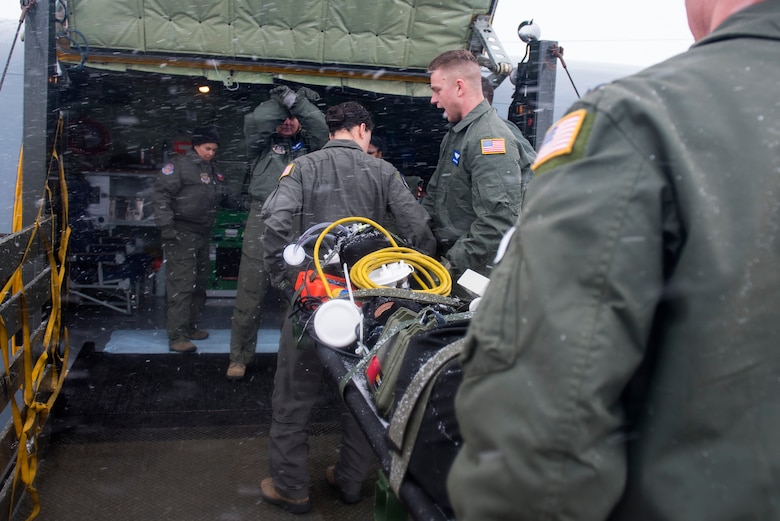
(704, 16)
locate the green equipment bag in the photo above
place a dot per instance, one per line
(382, 371)
(412, 373)
(413, 376)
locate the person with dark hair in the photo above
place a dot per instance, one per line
(286, 126)
(623, 364)
(376, 147)
(187, 193)
(340, 180)
(475, 193)
(414, 183)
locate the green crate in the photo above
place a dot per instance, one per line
(225, 251)
(387, 507)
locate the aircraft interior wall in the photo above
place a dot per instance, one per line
(122, 120)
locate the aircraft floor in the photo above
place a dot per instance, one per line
(167, 436)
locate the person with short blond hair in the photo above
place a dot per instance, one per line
(474, 195)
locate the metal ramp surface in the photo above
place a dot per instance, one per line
(167, 436)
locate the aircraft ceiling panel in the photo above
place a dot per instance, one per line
(401, 34)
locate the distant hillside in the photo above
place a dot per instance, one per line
(586, 76)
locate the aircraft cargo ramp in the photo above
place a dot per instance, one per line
(167, 436)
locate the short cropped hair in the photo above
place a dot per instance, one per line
(455, 57)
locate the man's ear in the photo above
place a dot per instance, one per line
(460, 84)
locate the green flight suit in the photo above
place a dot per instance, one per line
(475, 193)
(624, 363)
(272, 152)
(339, 181)
(527, 154)
(187, 194)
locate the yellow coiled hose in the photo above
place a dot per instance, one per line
(429, 273)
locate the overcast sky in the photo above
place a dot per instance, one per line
(10, 9)
(603, 31)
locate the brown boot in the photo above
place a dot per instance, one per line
(271, 495)
(198, 334)
(182, 346)
(235, 371)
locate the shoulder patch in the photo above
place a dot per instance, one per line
(493, 146)
(167, 169)
(560, 138)
(287, 170)
(401, 178)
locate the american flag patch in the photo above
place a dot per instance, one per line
(560, 139)
(287, 170)
(493, 146)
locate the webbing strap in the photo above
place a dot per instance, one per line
(28, 429)
(407, 418)
(417, 296)
(360, 367)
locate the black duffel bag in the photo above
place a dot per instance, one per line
(423, 428)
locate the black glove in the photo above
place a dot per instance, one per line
(168, 233)
(284, 95)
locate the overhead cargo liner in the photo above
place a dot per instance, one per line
(382, 47)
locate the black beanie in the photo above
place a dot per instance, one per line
(205, 135)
